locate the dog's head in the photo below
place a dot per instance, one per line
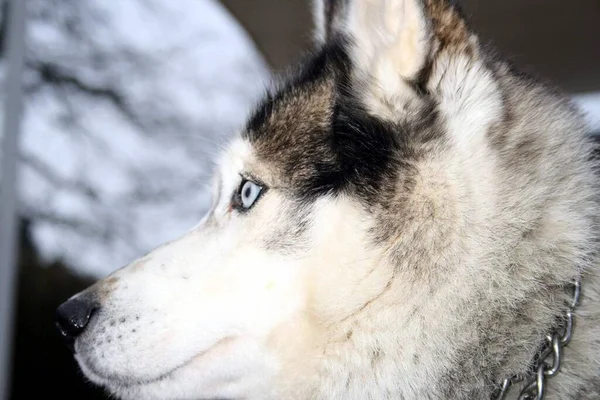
(397, 176)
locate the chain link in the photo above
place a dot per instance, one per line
(535, 385)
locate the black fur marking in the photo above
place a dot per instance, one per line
(419, 83)
(313, 68)
(337, 146)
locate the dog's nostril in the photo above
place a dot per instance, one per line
(73, 316)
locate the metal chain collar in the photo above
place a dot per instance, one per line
(535, 385)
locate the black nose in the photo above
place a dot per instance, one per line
(73, 316)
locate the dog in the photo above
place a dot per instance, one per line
(403, 216)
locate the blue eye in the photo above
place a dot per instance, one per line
(248, 194)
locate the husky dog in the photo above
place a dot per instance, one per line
(401, 218)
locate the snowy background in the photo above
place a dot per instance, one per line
(589, 103)
(126, 107)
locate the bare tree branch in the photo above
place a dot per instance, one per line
(82, 226)
(46, 171)
(55, 75)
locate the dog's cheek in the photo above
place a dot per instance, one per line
(346, 270)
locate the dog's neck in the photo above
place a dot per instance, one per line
(548, 362)
(424, 352)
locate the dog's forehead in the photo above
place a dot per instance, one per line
(315, 138)
(289, 132)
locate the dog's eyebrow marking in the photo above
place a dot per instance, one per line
(251, 177)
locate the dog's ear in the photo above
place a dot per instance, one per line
(390, 44)
(388, 41)
(386, 35)
(397, 48)
(393, 43)
(390, 37)
(329, 16)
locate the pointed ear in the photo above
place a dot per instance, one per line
(391, 37)
(328, 16)
(394, 43)
(397, 48)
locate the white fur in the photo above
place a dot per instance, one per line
(470, 99)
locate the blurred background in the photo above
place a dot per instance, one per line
(125, 104)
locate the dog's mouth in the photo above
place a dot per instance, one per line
(91, 370)
(105, 379)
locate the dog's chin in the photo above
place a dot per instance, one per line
(212, 374)
(93, 373)
(162, 386)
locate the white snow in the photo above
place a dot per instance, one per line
(102, 188)
(589, 103)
